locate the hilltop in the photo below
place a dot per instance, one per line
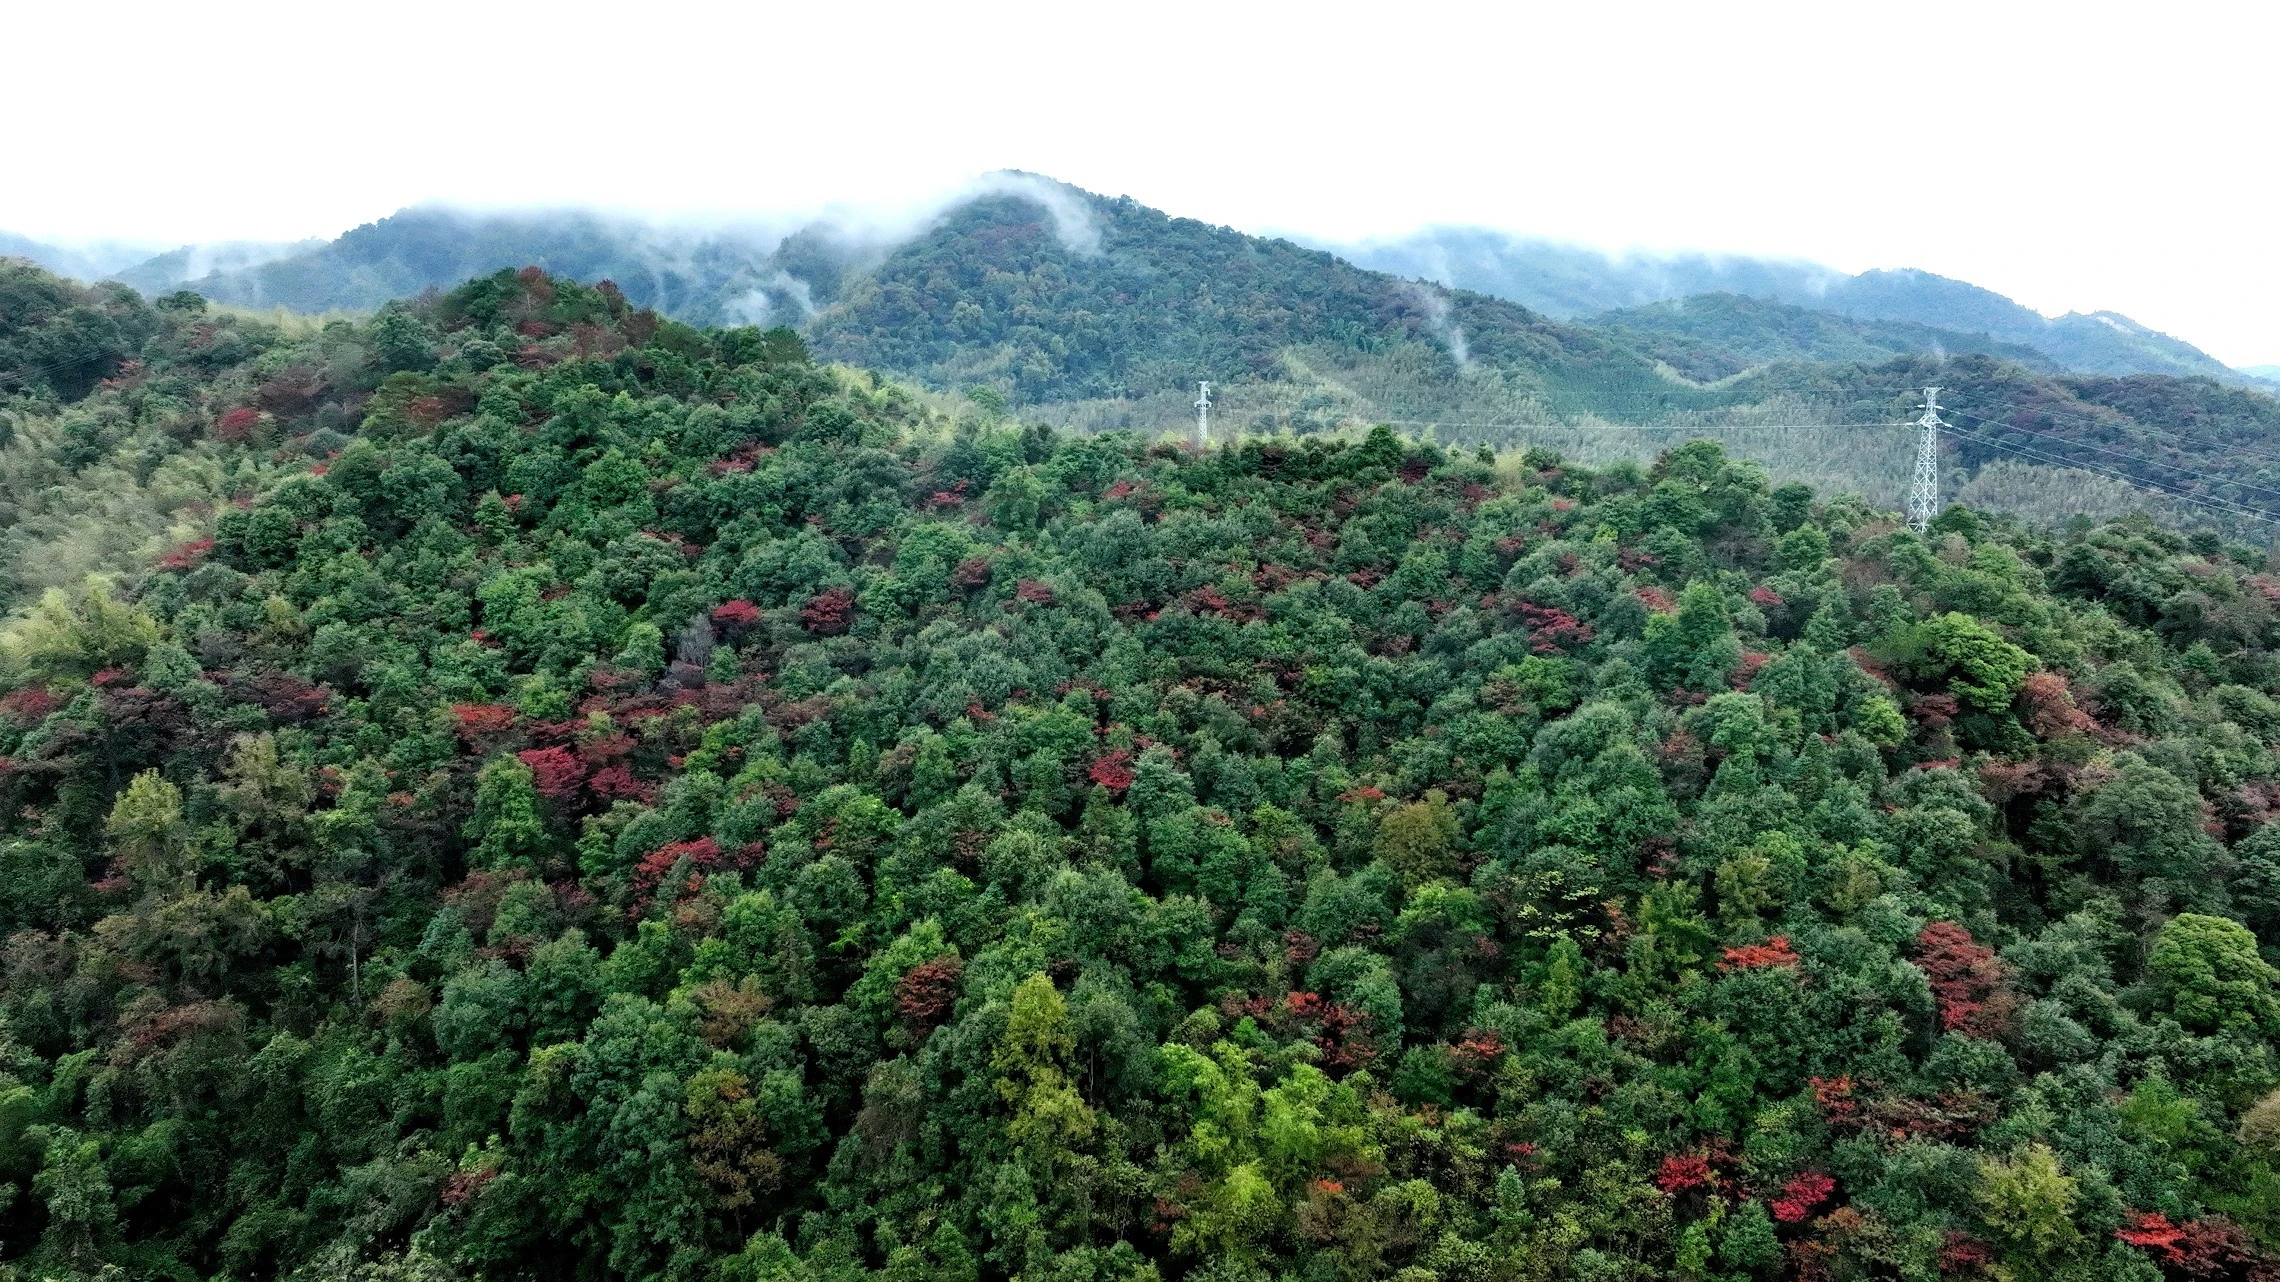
(1082, 298)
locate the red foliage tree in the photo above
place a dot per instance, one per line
(926, 993)
(616, 781)
(1478, 1052)
(2214, 1247)
(1773, 952)
(1553, 631)
(1800, 1196)
(1835, 1096)
(704, 855)
(188, 556)
(1685, 1172)
(1964, 1253)
(29, 705)
(556, 772)
(2046, 704)
(482, 720)
(1113, 770)
(2211, 1249)
(286, 698)
(1300, 948)
(827, 614)
(237, 424)
(2151, 1231)
(736, 615)
(1970, 983)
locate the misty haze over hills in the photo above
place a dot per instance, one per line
(1706, 316)
(1573, 282)
(92, 261)
(1094, 313)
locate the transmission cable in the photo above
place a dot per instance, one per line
(1632, 427)
(2212, 477)
(2153, 489)
(2133, 422)
(2223, 506)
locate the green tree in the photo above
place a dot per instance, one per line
(1032, 1059)
(2027, 1202)
(1419, 838)
(146, 829)
(1981, 668)
(2209, 972)
(1695, 648)
(506, 827)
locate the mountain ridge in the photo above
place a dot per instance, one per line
(1714, 336)
(757, 273)
(1096, 313)
(1570, 281)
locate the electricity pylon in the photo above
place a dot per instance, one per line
(1924, 494)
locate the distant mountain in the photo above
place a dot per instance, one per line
(703, 277)
(87, 262)
(757, 275)
(164, 273)
(1568, 281)
(1052, 294)
(1715, 336)
(1098, 313)
(1104, 313)
(2098, 343)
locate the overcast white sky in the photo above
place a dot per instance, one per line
(2074, 156)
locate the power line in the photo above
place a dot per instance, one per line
(2047, 454)
(1631, 427)
(2187, 497)
(2122, 419)
(2130, 421)
(2212, 477)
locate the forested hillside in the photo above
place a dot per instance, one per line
(1110, 299)
(600, 798)
(1712, 336)
(2214, 446)
(1105, 313)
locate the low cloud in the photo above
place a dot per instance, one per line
(1434, 303)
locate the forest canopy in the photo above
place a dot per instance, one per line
(525, 788)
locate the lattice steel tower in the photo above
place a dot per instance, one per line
(1203, 414)
(1924, 494)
